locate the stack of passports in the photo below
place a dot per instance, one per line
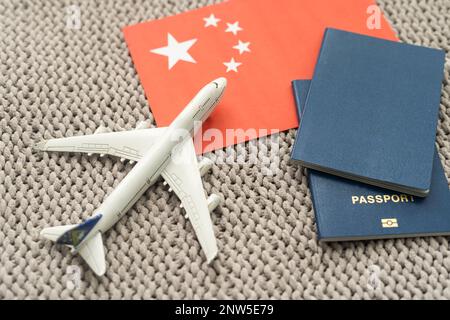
(351, 210)
(367, 132)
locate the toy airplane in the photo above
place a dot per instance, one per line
(168, 152)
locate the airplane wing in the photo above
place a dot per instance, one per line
(183, 176)
(129, 145)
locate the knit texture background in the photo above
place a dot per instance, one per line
(58, 82)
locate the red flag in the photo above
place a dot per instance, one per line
(259, 46)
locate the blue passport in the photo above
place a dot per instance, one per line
(371, 112)
(350, 210)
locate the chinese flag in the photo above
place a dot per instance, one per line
(259, 46)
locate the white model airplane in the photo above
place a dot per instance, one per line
(168, 152)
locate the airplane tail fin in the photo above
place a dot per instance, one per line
(91, 251)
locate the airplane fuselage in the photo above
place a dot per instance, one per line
(148, 169)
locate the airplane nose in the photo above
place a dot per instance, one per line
(220, 82)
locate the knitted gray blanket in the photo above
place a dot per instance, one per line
(59, 82)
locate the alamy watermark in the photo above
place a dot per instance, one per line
(374, 20)
(73, 17)
(374, 281)
(262, 152)
(73, 277)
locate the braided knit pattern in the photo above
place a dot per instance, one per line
(58, 82)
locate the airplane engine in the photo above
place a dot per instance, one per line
(213, 202)
(205, 165)
(102, 129)
(147, 124)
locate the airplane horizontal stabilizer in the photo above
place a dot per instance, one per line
(53, 233)
(94, 254)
